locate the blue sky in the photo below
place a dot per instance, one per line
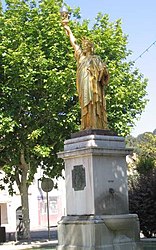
(139, 23)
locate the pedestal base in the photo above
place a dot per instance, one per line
(118, 232)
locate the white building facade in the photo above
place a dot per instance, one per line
(10, 205)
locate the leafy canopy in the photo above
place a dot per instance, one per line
(39, 106)
(142, 183)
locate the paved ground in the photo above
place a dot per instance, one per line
(38, 238)
(12, 245)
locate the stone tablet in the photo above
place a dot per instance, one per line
(78, 178)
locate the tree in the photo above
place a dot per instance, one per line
(39, 105)
(35, 107)
(142, 185)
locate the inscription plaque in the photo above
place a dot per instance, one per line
(78, 178)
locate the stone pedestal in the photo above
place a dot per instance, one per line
(105, 232)
(97, 195)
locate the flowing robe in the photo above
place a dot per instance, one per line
(92, 75)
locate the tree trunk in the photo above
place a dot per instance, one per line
(21, 180)
(25, 205)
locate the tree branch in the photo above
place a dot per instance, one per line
(17, 179)
(24, 166)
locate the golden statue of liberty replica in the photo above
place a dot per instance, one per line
(91, 78)
(93, 157)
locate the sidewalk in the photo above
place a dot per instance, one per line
(39, 238)
(13, 245)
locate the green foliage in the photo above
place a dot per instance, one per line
(142, 200)
(142, 186)
(145, 164)
(147, 145)
(38, 99)
(36, 108)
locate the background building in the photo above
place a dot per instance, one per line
(10, 206)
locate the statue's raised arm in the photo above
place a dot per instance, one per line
(71, 36)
